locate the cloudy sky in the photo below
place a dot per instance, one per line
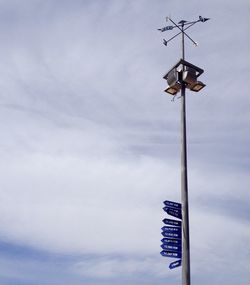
(90, 143)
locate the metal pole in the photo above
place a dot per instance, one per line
(184, 184)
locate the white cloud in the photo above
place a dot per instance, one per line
(112, 268)
(87, 206)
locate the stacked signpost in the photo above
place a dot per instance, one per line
(172, 233)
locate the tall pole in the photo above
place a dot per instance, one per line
(184, 182)
(177, 83)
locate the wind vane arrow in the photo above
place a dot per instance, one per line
(167, 28)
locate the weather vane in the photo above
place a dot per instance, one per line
(182, 26)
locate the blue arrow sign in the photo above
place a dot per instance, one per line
(172, 222)
(168, 253)
(171, 235)
(171, 241)
(171, 232)
(173, 212)
(172, 204)
(171, 229)
(171, 247)
(175, 264)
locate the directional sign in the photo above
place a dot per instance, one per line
(172, 204)
(171, 235)
(173, 212)
(171, 241)
(168, 253)
(172, 222)
(171, 229)
(173, 232)
(175, 264)
(171, 247)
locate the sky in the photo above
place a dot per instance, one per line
(90, 143)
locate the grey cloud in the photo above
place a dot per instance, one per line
(87, 131)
